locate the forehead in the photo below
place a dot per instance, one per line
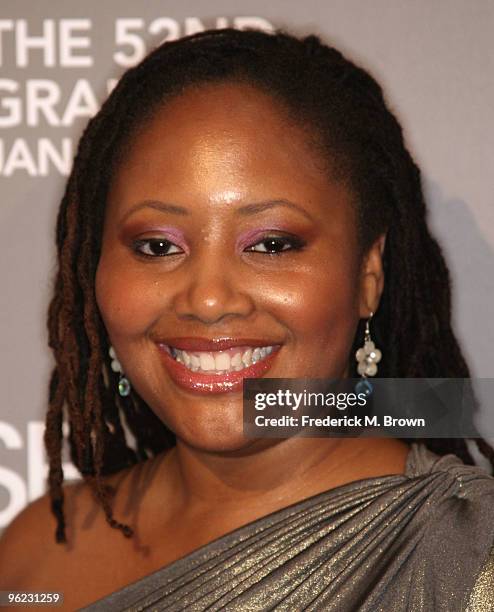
(222, 138)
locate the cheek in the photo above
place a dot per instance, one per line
(126, 299)
(320, 307)
(318, 301)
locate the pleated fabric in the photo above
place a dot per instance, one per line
(414, 542)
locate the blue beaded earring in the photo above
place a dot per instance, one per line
(123, 383)
(368, 356)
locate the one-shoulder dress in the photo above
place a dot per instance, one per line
(417, 542)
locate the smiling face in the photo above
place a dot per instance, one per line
(228, 252)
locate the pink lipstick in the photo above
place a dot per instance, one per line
(205, 382)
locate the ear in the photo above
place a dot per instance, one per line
(372, 278)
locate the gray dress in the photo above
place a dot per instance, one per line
(416, 542)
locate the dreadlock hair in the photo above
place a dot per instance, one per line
(344, 110)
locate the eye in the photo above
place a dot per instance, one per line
(274, 245)
(155, 247)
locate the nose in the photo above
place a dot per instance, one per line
(213, 291)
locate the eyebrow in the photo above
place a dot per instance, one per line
(245, 210)
(165, 207)
(257, 207)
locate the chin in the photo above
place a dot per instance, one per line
(205, 425)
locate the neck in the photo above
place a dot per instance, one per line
(277, 473)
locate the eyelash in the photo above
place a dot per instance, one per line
(137, 244)
(294, 243)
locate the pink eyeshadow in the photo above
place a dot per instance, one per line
(173, 234)
(250, 237)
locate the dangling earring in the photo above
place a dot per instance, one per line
(123, 383)
(368, 356)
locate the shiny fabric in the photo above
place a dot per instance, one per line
(482, 595)
(414, 542)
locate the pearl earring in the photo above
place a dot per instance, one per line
(368, 356)
(123, 383)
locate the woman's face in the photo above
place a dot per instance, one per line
(227, 251)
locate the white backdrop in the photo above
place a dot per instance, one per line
(58, 60)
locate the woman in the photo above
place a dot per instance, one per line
(240, 207)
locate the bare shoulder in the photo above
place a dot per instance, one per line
(28, 548)
(24, 534)
(96, 559)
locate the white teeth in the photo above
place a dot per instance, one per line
(207, 361)
(256, 355)
(220, 361)
(236, 361)
(247, 357)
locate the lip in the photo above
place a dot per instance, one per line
(213, 383)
